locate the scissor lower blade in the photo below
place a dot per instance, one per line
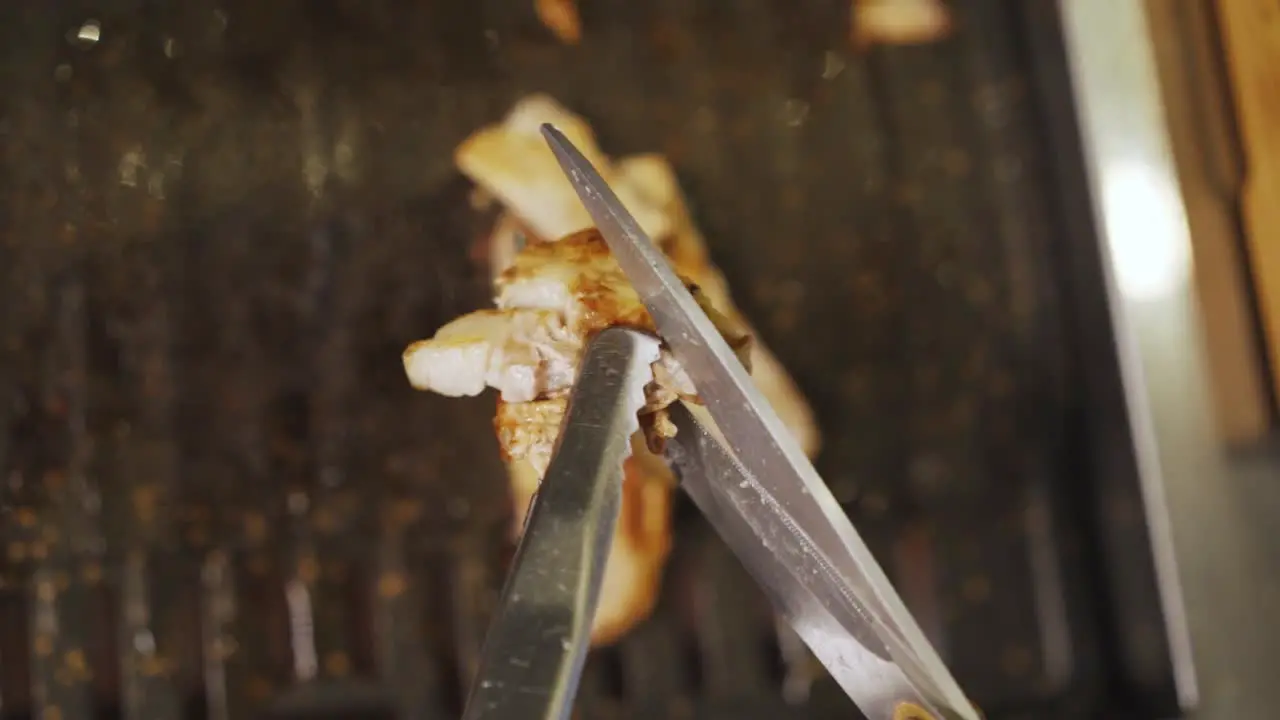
(846, 634)
(538, 641)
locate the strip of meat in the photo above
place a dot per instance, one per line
(511, 163)
(551, 300)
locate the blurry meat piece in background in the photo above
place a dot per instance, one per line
(899, 22)
(888, 22)
(560, 17)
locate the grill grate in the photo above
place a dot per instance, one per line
(221, 221)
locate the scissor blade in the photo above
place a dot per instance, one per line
(844, 640)
(535, 647)
(791, 494)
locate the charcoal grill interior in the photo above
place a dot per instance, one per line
(220, 222)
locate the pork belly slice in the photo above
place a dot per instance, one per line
(510, 164)
(552, 299)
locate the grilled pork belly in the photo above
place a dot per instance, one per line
(521, 353)
(551, 300)
(525, 355)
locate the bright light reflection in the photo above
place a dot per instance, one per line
(1146, 231)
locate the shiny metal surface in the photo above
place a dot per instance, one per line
(834, 592)
(1147, 260)
(537, 643)
(726, 492)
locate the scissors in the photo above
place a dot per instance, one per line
(743, 470)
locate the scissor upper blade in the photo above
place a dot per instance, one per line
(796, 495)
(844, 639)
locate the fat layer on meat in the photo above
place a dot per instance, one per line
(519, 352)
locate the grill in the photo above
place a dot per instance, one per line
(221, 222)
